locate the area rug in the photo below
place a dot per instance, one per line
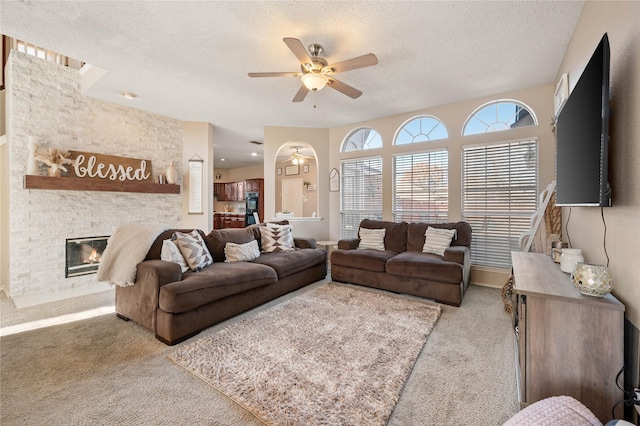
(333, 355)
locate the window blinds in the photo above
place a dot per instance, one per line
(421, 187)
(499, 195)
(361, 193)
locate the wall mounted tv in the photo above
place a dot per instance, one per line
(582, 132)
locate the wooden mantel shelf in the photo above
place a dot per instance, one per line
(81, 184)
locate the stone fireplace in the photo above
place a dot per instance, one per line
(83, 255)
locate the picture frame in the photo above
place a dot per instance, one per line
(305, 168)
(292, 170)
(334, 180)
(279, 171)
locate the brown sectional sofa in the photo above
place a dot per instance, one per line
(178, 305)
(402, 267)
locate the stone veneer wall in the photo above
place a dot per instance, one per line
(46, 103)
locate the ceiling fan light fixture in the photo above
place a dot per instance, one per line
(314, 81)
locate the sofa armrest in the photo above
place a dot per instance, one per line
(161, 271)
(303, 242)
(456, 254)
(348, 244)
(140, 301)
(461, 255)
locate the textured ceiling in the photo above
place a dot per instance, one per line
(189, 60)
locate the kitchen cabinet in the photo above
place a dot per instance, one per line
(254, 185)
(228, 220)
(239, 191)
(219, 189)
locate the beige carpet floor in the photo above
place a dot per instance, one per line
(104, 371)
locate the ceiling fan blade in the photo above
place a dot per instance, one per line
(298, 49)
(302, 93)
(344, 88)
(274, 74)
(354, 63)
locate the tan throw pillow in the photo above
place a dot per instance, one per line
(437, 240)
(371, 238)
(275, 239)
(241, 252)
(193, 249)
(171, 253)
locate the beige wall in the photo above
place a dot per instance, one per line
(4, 199)
(586, 228)
(2, 113)
(197, 141)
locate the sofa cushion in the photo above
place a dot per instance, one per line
(368, 260)
(171, 253)
(276, 238)
(241, 252)
(371, 239)
(425, 266)
(214, 282)
(217, 239)
(416, 231)
(193, 249)
(395, 237)
(155, 251)
(437, 240)
(287, 263)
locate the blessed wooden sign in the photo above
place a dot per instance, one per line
(110, 167)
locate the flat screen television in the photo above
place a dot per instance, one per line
(582, 137)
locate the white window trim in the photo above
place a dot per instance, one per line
(497, 101)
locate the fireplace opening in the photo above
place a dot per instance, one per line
(83, 255)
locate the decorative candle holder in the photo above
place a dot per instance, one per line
(592, 280)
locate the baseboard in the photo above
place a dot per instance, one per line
(27, 300)
(489, 277)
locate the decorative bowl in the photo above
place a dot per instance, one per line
(592, 280)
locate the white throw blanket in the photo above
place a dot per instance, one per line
(127, 246)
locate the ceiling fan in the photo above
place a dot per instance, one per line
(317, 73)
(297, 158)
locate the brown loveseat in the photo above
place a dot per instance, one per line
(402, 267)
(177, 305)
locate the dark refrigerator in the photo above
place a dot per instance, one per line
(252, 200)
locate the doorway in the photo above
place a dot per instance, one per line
(292, 196)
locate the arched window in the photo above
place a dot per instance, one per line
(497, 116)
(421, 129)
(361, 139)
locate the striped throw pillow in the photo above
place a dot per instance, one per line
(371, 238)
(437, 240)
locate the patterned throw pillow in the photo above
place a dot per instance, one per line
(437, 240)
(283, 226)
(241, 252)
(275, 239)
(193, 249)
(371, 238)
(171, 253)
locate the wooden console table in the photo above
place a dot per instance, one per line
(567, 343)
